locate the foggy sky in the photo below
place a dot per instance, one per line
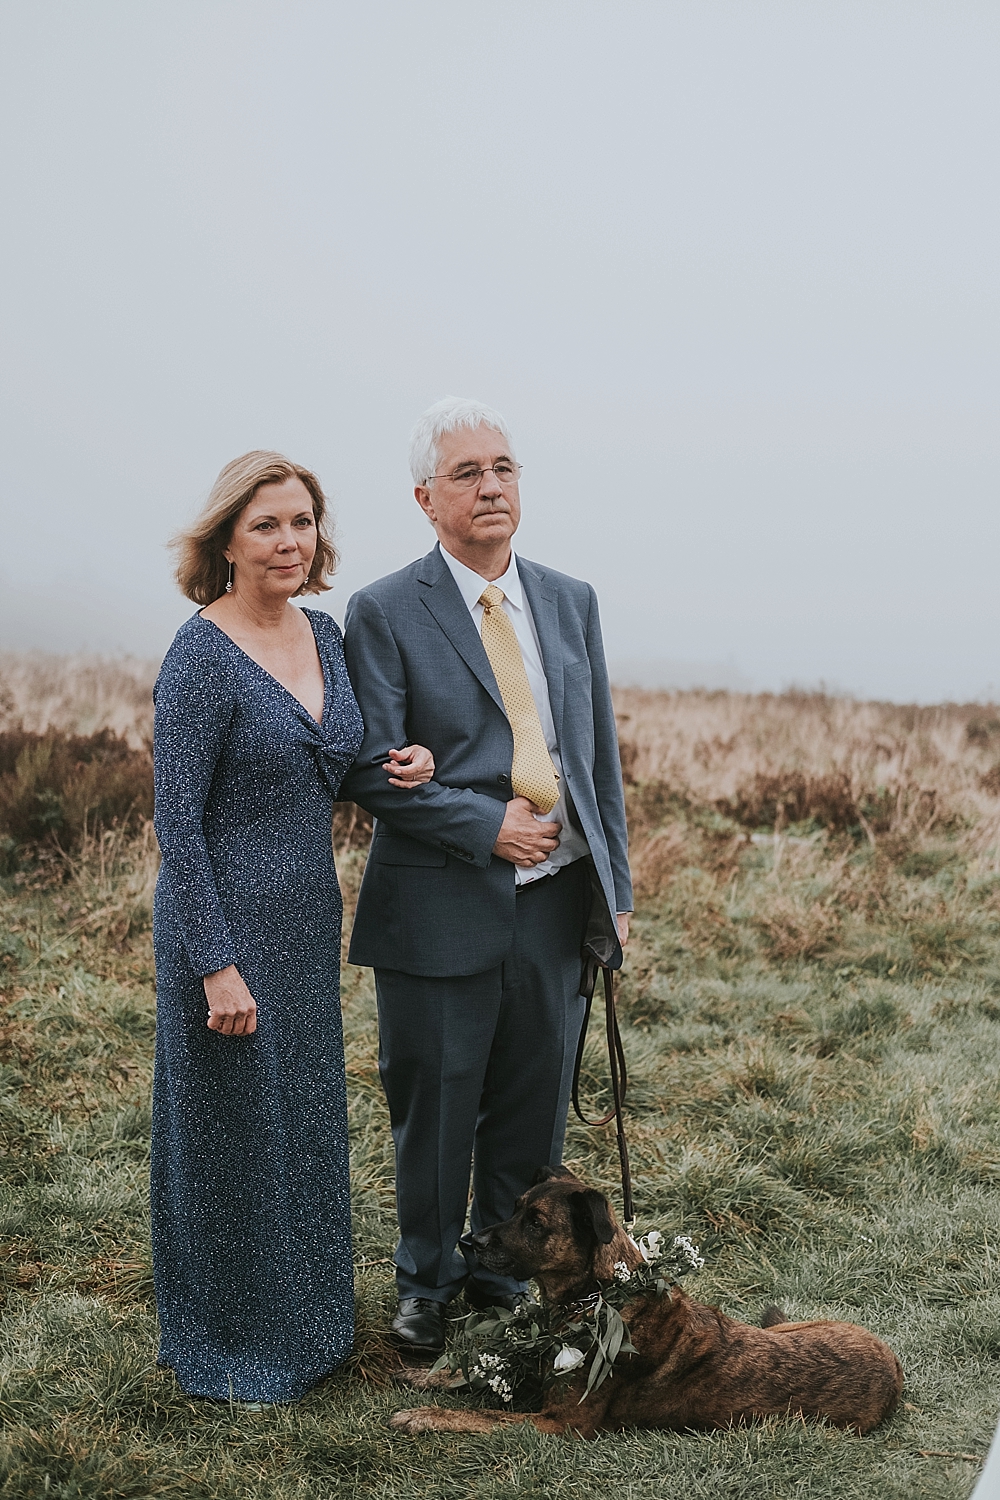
(729, 270)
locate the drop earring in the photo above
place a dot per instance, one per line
(229, 585)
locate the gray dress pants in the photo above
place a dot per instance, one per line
(477, 1072)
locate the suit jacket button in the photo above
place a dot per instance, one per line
(502, 780)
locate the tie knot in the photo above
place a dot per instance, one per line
(492, 597)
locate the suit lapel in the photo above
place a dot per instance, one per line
(543, 601)
(441, 596)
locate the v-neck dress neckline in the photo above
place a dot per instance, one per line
(323, 666)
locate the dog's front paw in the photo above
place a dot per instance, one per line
(417, 1419)
(445, 1419)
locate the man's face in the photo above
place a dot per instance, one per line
(475, 517)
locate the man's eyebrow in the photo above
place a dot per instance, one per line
(473, 463)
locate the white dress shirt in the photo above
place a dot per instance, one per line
(572, 844)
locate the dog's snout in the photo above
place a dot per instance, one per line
(491, 1248)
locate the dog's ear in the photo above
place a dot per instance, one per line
(593, 1211)
(545, 1173)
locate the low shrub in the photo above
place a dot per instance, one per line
(794, 797)
(54, 787)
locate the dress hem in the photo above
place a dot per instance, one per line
(287, 1398)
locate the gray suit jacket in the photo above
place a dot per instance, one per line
(434, 899)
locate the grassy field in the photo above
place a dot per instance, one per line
(811, 1010)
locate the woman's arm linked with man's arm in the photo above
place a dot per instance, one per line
(193, 713)
(464, 822)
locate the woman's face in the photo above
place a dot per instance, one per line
(273, 541)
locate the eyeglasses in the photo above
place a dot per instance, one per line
(468, 475)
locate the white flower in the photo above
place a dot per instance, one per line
(622, 1272)
(688, 1253)
(501, 1387)
(568, 1358)
(486, 1363)
(650, 1246)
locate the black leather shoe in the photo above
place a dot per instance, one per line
(479, 1299)
(419, 1325)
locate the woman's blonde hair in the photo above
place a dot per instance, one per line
(202, 569)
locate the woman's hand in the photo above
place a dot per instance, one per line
(232, 1009)
(411, 767)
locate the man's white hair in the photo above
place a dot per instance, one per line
(444, 416)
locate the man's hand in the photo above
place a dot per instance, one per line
(622, 921)
(231, 1007)
(410, 767)
(522, 839)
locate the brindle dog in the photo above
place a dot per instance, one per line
(694, 1366)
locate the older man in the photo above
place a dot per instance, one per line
(479, 884)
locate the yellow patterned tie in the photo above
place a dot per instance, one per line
(533, 775)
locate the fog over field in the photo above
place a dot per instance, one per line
(730, 272)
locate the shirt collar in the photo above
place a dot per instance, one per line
(471, 584)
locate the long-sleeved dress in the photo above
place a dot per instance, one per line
(250, 1199)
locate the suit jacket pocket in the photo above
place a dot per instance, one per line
(399, 849)
(578, 683)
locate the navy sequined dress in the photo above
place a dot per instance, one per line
(250, 1200)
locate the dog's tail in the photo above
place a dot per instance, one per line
(772, 1315)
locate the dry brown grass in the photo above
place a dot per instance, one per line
(77, 695)
(763, 760)
(811, 832)
(770, 761)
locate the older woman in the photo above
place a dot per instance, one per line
(255, 726)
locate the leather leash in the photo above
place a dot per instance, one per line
(619, 1073)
